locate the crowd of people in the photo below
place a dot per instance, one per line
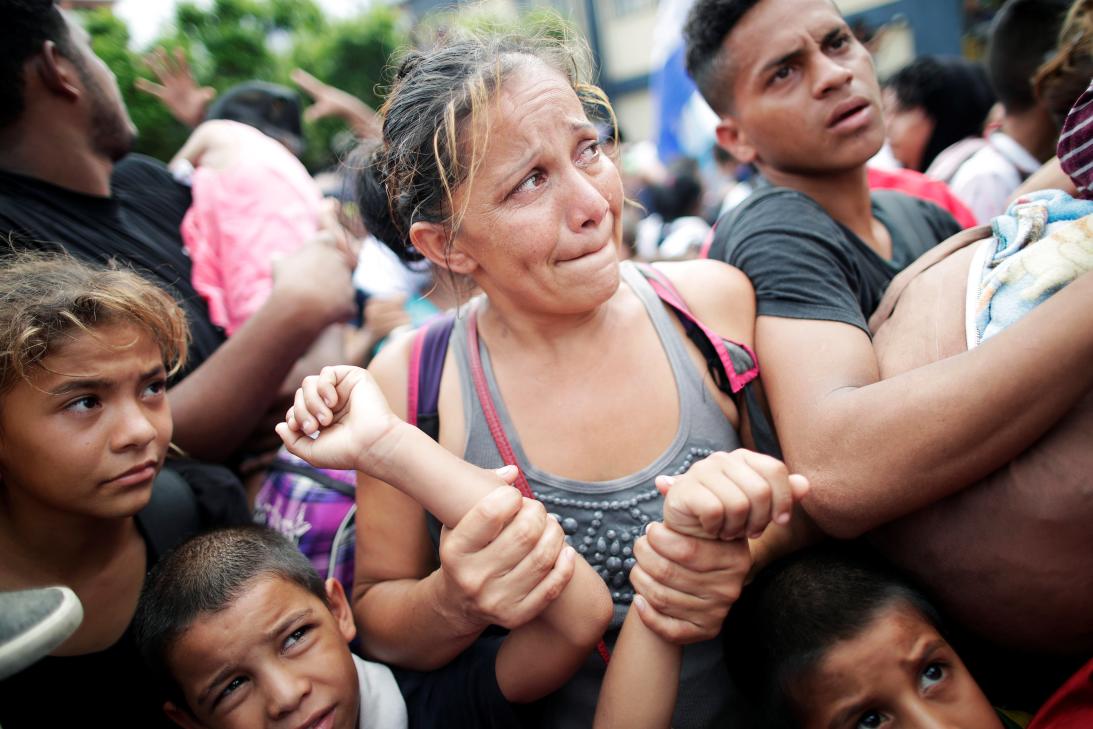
(504, 423)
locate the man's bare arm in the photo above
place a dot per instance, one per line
(875, 451)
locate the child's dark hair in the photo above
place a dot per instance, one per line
(206, 574)
(796, 610)
(46, 298)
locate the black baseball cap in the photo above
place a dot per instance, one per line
(270, 108)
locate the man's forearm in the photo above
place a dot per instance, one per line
(880, 451)
(218, 405)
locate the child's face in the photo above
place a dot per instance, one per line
(276, 657)
(897, 672)
(89, 432)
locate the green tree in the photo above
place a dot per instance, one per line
(353, 55)
(241, 40)
(159, 134)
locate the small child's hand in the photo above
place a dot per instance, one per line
(338, 420)
(731, 495)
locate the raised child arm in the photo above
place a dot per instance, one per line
(355, 429)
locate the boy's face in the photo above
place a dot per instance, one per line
(805, 94)
(89, 432)
(898, 671)
(276, 657)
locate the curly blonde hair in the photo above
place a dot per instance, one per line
(46, 297)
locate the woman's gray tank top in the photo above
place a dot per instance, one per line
(602, 519)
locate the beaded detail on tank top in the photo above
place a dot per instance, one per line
(601, 520)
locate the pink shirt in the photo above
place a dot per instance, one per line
(241, 218)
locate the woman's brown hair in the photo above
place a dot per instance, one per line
(434, 126)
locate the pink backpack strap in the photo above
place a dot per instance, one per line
(414, 374)
(493, 420)
(670, 295)
(497, 430)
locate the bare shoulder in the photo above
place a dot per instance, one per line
(390, 369)
(718, 294)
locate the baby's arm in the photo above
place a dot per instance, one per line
(723, 498)
(639, 690)
(340, 419)
(357, 430)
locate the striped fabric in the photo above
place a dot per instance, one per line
(296, 500)
(1076, 144)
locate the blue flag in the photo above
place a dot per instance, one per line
(685, 124)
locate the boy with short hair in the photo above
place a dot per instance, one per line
(241, 631)
(829, 638)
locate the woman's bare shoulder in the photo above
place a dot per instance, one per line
(717, 293)
(390, 369)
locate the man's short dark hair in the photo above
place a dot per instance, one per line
(708, 24)
(1023, 35)
(797, 609)
(206, 574)
(24, 26)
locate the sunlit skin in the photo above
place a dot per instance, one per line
(896, 672)
(543, 216)
(805, 95)
(96, 411)
(275, 657)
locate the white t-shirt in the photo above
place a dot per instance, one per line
(382, 706)
(988, 179)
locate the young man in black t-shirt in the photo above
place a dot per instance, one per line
(797, 96)
(63, 131)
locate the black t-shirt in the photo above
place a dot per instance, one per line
(108, 688)
(805, 265)
(138, 226)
